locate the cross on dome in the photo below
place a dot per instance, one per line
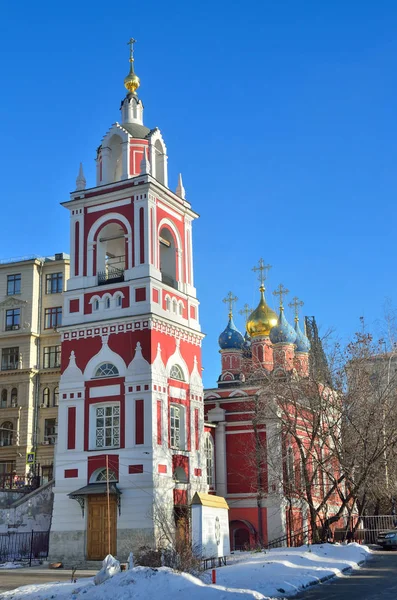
(296, 304)
(245, 311)
(263, 269)
(230, 300)
(281, 291)
(132, 81)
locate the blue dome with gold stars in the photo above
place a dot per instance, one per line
(231, 338)
(302, 343)
(283, 333)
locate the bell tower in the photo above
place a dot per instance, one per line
(131, 394)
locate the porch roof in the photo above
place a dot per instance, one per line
(96, 488)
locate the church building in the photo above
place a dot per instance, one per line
(131, 444)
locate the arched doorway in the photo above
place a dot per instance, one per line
(243, 535)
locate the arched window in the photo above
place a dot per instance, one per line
(14, 397)
(176, 373)
(106, 370)
(46, 397)
(3, 399)
(107, 303)
(96, 305)
(118, 301)
(179, 476)
(168, 258)
(168, 303)
(110, 254)
(209, 459)
(6, 434)
(55, 397)
(102, 476)
(174, 306)
(181, 309)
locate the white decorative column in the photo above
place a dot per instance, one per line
(217, 415)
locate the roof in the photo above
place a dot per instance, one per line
(209, 500)
(136, 130)
(96, 488)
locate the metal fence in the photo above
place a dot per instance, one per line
(25, 546)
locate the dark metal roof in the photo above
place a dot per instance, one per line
(136, 131)
(96, 488)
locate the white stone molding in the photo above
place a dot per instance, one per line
(177, 359)
(139, 368)
(105, 355)
(72, 373)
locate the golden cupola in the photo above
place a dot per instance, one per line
(262, 319)
(132, 81)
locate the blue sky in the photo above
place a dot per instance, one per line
(280, 115)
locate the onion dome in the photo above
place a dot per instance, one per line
(132, 81)
(302, 343)
(262, 319)
(283, 333)
(231, 338)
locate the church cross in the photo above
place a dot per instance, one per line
(131, 45)
(230, 300)
(281, 291)
(263, 269)
(245, 311)
(296, 304)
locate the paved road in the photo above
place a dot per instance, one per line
(13, 578)
(376, 580)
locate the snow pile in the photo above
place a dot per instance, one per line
(10, 565)
(285, 571)
(110, 568)
(248, 576)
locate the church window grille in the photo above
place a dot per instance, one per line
(106, 370)
(13, 284)
(209, 459)
(176, 373)
(175, 426)
(107, 426)
(103, 475)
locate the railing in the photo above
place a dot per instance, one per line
(291, 539)
(112, 275)
(15, 483)
(26, 546)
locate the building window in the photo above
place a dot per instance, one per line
(96, 304)
(55, 397)
(107, 303)
(46, 474)
(9, 359)
(177, 373)
(209, 459)
(107, 426)
(181, 309)
(14, 397)
(50, 431)
(3, 401)
(54, 283)
(6, 434)
(13, 284)
(46, 397)
(168, 303)
(52, 357)
(118, 301)
(103, 475)
(174, 306)
(175, 424)
(13, 318)
(52, 317)
(106, 370)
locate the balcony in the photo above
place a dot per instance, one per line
(110, 275)
(168, 280)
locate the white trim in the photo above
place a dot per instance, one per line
(169, 210)
(107, 205)
(104, 390)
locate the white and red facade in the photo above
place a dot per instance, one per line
(131, 393)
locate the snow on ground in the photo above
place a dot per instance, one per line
(248, 576)
(11, 565)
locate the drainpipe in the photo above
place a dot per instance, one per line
(36, 401)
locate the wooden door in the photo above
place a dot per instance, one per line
(98, 527)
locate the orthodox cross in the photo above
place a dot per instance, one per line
(263, 269)
(296, 304)
(281, 291)
(230, 300)
(131, 45)
(245, 311)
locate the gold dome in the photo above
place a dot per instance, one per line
(132, 81)
(262, 319)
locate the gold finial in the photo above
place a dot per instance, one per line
(132, 82)
(263, 269)
(230, 300)
(245, 311)
(281, 291)
(296, 304)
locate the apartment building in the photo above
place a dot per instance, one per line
(30, 353)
